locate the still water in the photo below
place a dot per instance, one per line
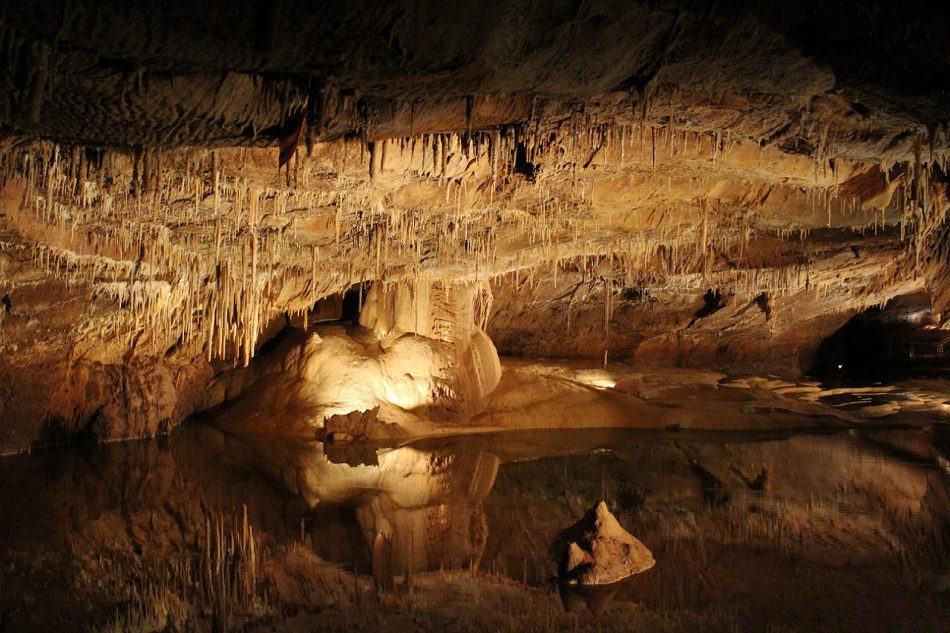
(205, 530)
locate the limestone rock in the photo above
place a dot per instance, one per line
(598, 551)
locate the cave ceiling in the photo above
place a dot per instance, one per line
(188, 171)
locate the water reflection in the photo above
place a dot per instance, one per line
(776, 525)
(416, 509)
(576, 598)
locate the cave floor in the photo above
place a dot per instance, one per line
(578, 394)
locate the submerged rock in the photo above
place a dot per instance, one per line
(598, 551)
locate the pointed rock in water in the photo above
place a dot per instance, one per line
(598, 551)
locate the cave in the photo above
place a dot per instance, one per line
(547, 315)
(897, 341)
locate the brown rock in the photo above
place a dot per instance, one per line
(598, 551)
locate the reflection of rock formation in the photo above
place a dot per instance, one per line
(419, 356)
(417, 510)
(594, 597)
(430, 513)
(843, 512)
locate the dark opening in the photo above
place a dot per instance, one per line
(342, 307)
(633, 293)
(352, 303)
(884, 344)
(273, 342)
(522, 166)
(713, 301)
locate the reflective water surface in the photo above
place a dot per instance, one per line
(208, 530)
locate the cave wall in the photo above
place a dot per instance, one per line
(742, 321)
(62, 381)
(686, 184)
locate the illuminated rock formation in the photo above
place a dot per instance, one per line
(419, 358)
(597, 551)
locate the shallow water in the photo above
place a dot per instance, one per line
(777, 531)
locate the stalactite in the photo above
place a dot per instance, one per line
(217, 213)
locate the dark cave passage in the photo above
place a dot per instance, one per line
(887, 343)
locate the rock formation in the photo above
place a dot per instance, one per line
(418, 358)
(677, 183)
(597, 551)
